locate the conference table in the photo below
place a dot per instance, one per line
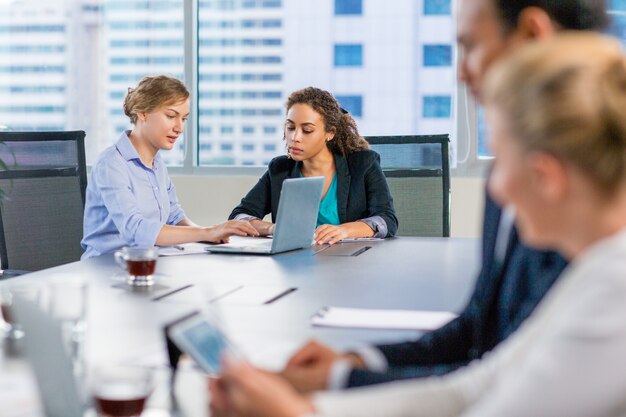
(265, 303)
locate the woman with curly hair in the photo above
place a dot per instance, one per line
(322, 139)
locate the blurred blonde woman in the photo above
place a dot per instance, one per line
(557, 113)
(131, 200)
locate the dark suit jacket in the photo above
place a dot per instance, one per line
(362, 189)
(504, 296)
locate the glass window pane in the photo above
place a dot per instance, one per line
(483, 148)
(69, 64)
(314, 45)
(241, 71)
(617, 27)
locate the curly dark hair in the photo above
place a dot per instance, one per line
(336, 119)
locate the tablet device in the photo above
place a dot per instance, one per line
(199, 336)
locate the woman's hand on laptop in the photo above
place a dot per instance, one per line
(331, 234)
(221, 232)
(264, 228)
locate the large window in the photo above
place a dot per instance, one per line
(68, 64)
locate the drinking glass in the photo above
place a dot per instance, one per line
(68, 304)
(12, 329)
(121, 391)
(139, 263)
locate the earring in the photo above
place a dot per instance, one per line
(327, 139)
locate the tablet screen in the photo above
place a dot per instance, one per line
(202, 340)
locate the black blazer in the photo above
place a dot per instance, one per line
(362, 189)
(504, 296)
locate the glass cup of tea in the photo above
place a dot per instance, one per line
(121, 391)
(139, 263)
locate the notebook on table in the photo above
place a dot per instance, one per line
(295, 220)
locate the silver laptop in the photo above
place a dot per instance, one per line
(295, 221)
(51, 365)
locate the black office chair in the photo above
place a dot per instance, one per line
(43, 180)
(418, 173)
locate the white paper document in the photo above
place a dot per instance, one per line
(381, 319)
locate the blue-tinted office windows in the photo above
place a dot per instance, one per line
(353, 104)
(348, 55)
(618, 24)
(269, 147)
(16, 69)
(227, 130)
(483, 149)
(247, 130)
(437, 107)
(437, 7)
(269, 130)
(348, 7)
(226, 146)
(32, 109)
(32, 28)
(247, 147)
(437, 55)
(117, 95)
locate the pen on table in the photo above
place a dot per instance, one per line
(178, 247)
(174, 291)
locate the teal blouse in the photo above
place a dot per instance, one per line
(328, 213)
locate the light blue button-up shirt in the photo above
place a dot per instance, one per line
(127, 203)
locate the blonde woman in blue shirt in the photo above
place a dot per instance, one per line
(130, 199)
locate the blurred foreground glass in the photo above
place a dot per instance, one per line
(139, 263)
(12, 330)
(68, 305)
(121, 391)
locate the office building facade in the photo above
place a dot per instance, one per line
(68, 64)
